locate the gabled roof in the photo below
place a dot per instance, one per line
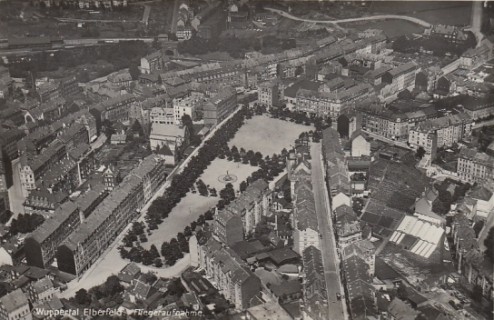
(14, 300)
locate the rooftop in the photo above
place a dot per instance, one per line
(14, 300)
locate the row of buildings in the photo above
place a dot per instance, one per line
(232, 224)
(90, 224)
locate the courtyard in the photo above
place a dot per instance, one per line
(186, 211)
(267, 135)
(238, 172)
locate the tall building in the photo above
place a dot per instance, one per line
(242, 215)
(220, 106)
(448, 129)
(268, 93)
(476, 17)
(41, 246)
(230, 274)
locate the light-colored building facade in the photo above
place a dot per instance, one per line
(230, 275)
(474, 166)
(15, 306)
(90, 239)
(448, 129)
(268, 93)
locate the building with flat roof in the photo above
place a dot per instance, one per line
(268, 93)
(169, 135)
(220, 106)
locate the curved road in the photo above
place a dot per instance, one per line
(335, 22)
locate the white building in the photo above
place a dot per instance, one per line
(15, 306)
(167, 134)
(162, 115)
(188, 105)
(360, 146)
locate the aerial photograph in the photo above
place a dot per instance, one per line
(246, 160)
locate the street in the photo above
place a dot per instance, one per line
(110, 261)
(337, 308)
(336, 22)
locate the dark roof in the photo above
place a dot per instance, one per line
(292, 90)
(384, 271)
(14, 300)
(286, 287)
(282, 255)
(246, 249)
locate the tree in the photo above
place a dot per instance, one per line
(25, 223)
(401, 292)
(149, 277)
(489, 245)
(134, 71)
(187, 122)
(82, 297)
(112, 286)
(158, 263)
(243, 186)
(188, 231)
(228, 193)
(420, 153)
(175, 287)
(477, 293)
(154, 252)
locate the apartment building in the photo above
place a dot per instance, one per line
(241, 216)
(15, 306)
(229, 274)
(114, 109)
(398, 79)
(32, 167)
(475, 166)
(449, 129)
(315, 287)
(306, 229)
(220, 106)
(268, 93)
(479, 110)
(347, 226)
(332, 104)
(188, 105)
(41, 246)
(42, 291)
(63, 158)
(91, 238)
(153, 62)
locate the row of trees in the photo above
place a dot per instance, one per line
(182, 182)
(162, 206)
(25, 223)
(442, 204)
(438, 46)
(121, 55)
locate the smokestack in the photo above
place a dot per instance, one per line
(476, 18)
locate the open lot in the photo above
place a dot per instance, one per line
(219, 167)
(267, 135)
(188, 210)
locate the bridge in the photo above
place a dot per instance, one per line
(418, 21)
